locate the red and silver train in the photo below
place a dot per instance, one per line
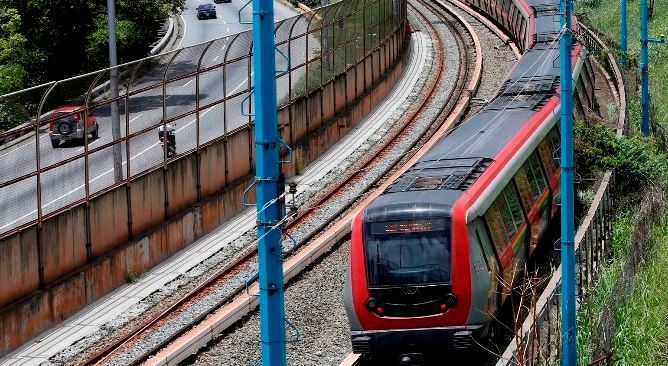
(428, 254)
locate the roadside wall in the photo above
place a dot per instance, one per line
(51, 271)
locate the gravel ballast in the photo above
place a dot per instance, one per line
(241, 346)
(314, 301)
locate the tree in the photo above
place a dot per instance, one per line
(12, 51)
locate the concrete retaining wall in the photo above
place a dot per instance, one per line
(76, 257)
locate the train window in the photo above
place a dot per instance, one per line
(496, 226)
(530, 181)
(524, 186)
(504, 217)
(549, 150)
(514, 211)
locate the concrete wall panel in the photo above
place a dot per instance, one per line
(339, 93)
(19, 265)
(237, 154)
(375, 67)
(351, 81)
(359, 79)
(181, 183)
(67, 297)
(148, 201)
(314, 110)
(109, 221)
(327, 101)
(104, 275)
(368, 74)
(64, 243)
(212, 172)
(299, 116)
(300, 125)
(137, 256)
(23, 320)
(212, 211)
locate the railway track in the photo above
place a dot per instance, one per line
(240, 302)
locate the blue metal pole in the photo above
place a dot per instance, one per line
(272, 312)
(623, 34)
(568, 330)
(644, 71)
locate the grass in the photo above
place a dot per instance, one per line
(589, 314)
(640, 325)
(605, 17)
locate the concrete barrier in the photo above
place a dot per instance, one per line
(79, 255)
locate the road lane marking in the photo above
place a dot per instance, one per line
(188, 83)
(89, 144)
(124, 163)
(185, 27)
(15, 149)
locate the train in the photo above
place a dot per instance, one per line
(430, 256)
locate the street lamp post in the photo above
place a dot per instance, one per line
(113, 86)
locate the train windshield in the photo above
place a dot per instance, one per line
(412, 252)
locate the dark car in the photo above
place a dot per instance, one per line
(66, 123)
(206, 11)
(222, 1)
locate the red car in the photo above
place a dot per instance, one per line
(66, 123)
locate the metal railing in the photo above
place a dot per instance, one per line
(204, 91)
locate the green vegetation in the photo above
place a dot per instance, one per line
(349, 34)
(44, 40)
(604, 16)
(132, 277)
(635, 159)
(640, 325)
(590, 312)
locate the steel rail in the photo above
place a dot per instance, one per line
(242, 303)
(240, 260)
(354, 359)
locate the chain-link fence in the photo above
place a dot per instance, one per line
(82, 138)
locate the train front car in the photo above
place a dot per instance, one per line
(403, 295)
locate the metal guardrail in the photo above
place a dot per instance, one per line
(538, 341)
(198, 89)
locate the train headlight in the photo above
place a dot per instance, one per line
(371, 304)
(450, 300)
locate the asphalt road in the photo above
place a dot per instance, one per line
(65, 183)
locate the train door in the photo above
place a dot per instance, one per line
(486, 274)
(507, 227)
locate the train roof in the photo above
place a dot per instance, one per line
(454, 163)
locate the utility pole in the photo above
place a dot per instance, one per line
(568, 330)
(644, 68)
(623, 34)
(113, 86)
(325, 35)
(267, 176)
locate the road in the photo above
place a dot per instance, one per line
(65, 184)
